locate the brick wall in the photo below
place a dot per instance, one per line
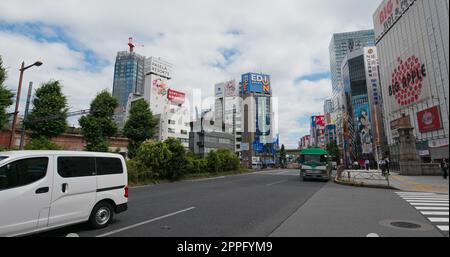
(74, 142)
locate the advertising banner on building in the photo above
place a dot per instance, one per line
(320, 121)
(387, 14)
(176, 96)
(158, 67)
(231, 89)
(429, 119)
(407, 82)
(364, 127)
(371, 63)
(256, 83)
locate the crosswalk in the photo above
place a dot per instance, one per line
(433, 206)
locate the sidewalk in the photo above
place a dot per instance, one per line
(373, 178)
(431, 184)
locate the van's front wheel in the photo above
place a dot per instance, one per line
(101, 215)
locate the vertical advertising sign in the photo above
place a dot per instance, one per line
(387, 14)
(371, 63)
(364, 127)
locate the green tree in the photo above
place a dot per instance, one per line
(333, 150)
(99, 125)
(177, 161)
(283, 158)
(140, 126)
(49, 114)
(6, 96)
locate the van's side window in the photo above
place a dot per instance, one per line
(69, 167)
(108, 166)
(22, 172)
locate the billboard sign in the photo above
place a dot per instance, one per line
(176, 96)
(407, 83)
(387, 15)
(320, 120)
(256, 83)
(429, 119)
(364, 127)
(371, 63)
(231, 89)
(158, 67)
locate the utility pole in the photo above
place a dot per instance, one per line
(24, 122)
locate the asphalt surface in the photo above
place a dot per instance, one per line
(269, 203)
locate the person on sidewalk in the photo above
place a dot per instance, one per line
(382, 166)
(367, 164)
(386, 162)
(444, 167)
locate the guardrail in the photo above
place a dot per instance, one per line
(355, 176)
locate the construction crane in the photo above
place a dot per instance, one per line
(132, 45)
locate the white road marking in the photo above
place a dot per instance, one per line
(428, 204)
(276, 183)
(72, 235)
(435, 213)
(373, 235)
(145, 222)
(443, 228)
(427, 201)
(439, 220)
(431, 208)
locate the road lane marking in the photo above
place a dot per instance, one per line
(421, 208)
(145, 222)
(427, 199)
(439, 220)
(435, 213)
(276, 183)
(443, 228)
(373, 235)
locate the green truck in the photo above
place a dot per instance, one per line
(315, 163)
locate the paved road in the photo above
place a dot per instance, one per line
(270, 203)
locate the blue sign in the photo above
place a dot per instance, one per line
(256, 83)
(313, 122)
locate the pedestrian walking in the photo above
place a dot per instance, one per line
(367, 164)
(387, 162)
(444, 167)
(382, 165)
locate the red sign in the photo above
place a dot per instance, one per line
(320, 121)
(176, 96)
(429, 119)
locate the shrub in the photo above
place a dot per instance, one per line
(154, 156)
(42, 143)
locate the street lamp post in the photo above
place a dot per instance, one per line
(19, 89)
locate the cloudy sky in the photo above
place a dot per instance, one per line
(208, 41)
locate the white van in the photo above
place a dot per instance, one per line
(42, 190)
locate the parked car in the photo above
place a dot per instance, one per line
(43, 190)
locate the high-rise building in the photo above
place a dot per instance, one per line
(167, 105)
(227, 110)
(362, 117)
(259, 140)
(341, 44)
(128, 76)
(412, 39)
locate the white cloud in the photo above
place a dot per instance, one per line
(285, 38)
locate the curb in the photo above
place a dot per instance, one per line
(363, 185)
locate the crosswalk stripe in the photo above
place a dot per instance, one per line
(421, 208)
(414, 193)
(435, 213)
(428, 204)
(427, 201)
(439, 220)
(443, 228)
